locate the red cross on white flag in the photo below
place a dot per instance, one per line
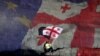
(52, 31)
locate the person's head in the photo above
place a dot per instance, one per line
(40, 30)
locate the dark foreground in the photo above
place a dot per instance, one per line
(20, 52)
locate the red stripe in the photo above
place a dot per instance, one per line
(53, 31)
(88, 52)
(83, 37)
(92, 4)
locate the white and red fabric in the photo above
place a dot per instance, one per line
(52, 31)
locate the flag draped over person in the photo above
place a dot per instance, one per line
(49, 34)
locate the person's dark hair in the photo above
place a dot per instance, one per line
(40, 30)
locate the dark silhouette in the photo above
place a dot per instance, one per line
(50, 49)
(20, 52)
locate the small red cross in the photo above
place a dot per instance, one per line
(64, 8)
(58, 29)
(47, 32)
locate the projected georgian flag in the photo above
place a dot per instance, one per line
(85, 20)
